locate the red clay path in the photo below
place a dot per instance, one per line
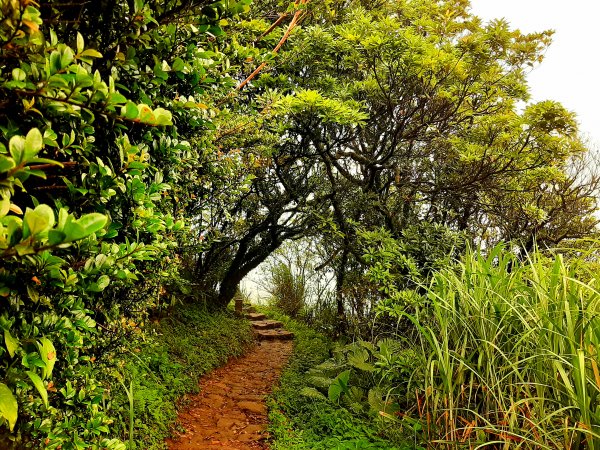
(230, 413)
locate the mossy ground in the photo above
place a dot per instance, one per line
(167, 362)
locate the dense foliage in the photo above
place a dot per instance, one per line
(301, 418)
(139, 165)
(511, 353)
(444, 142)
(499, 350)
(103, 116)
(404, 117)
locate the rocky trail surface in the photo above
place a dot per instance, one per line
(230, 412)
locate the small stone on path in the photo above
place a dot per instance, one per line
(255, 316)
(253, 407)
(266, 324)
(271, 335)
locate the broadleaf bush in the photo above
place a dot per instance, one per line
(104, 121)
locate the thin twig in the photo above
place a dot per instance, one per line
(282, 41)
(51, 166)
(272, 27)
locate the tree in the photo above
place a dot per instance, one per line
(281, 201)
(442, 140)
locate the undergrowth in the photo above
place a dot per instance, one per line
(302, 422)
(165, 364)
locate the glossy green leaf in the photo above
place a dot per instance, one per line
(4, 206)
(67, 57)
(160, 73)
(178, 65)
(9, 409)
(103, 282)
(13, 229)
(91, 53)
(55, 65)
(130, 111)
(33, 143)
(63, 215)
(73, 231)
(48, 354)
(339, 386)
(12, 345)
(145, 114)
(83, 227)
(33, 294)
(80, 43)
(56, 237)
(116, 98)
(92, 222)
(19, 74)
(6, 163)
(39, 385)
(16, 147)
(162, 117)
(37, 220)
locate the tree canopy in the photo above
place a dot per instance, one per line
(402, 113)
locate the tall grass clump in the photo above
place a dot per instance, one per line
(287, 288)
(511, 348)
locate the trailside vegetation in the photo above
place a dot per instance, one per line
(405, 119)
(500, 350)
(301, 417)
(441, 345)
(154, 153)
(157, 369)
(104, 112)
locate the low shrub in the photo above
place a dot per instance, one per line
(303, 421)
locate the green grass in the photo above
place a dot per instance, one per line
(299, 422)
(165, 364)
(512, 353)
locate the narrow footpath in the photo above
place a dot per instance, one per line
(230, 412)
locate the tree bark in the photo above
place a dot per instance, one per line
(340, 277)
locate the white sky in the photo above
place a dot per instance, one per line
(570, 72)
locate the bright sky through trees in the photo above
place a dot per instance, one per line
(570, 72)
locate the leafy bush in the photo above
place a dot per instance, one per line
(103, 124)
(311, 421)
(367, 378)
(287, 289)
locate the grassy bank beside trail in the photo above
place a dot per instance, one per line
(165, 364)
(301, 422)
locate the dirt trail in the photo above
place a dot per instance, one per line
(230, 412)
